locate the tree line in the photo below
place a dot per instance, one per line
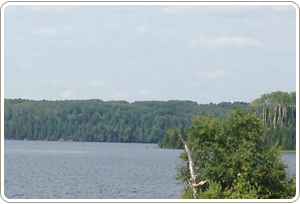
(99, 121)
(277, 111)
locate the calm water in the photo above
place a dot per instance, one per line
(71, 170)
(290, 159)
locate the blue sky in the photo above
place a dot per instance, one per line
(158, 52)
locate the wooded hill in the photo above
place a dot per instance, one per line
(148, 121)
(278, 113)
(100, 121)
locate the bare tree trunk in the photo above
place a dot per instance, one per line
(192, 180)
(279, 114)
(291, 115)
(267, 114)
(264, 115)
(274, 119)
(284, 114)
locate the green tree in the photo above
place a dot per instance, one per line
(278, 112)
(96, 120)
(231, 155)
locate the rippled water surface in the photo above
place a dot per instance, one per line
(70, 170)
(290, 159)
(82, 170)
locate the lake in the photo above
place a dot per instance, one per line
(84, 170)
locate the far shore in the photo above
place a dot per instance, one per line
(288, 151)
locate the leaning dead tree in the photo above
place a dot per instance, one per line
(192, 181)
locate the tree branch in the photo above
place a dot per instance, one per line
(201, 183)
(192, 180)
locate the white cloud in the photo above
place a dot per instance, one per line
(47, 32)
(97, 83)
(236, 41)
(67, 94)
(225, 41)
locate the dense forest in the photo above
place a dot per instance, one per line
(147, 121)
(277, 111)
(100, 121)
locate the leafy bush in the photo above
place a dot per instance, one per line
(232, 154)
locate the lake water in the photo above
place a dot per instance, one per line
(83, 170)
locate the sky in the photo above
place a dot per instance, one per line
(199, 53)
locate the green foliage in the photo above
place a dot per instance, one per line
(149, 121)
(231, 153)
(214, 191)
(99, 121)
(171, 139)
(278, 112)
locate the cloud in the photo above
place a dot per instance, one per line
(97, 83)
(225, 41)
(67, 94)
(46, 32)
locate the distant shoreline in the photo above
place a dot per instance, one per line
(288, 151)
